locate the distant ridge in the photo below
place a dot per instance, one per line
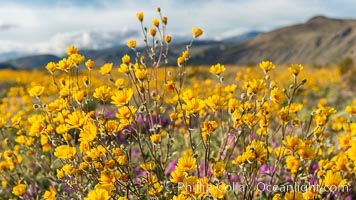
(29, 62)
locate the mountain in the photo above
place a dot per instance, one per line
(30, 62)
(242, 38)
(318, 41)
(11, 55)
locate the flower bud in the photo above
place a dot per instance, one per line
(180, 61)
(197, 32)
(153, 32)
(155, 22)
(168, 38)
(139, 16)
(164, 20)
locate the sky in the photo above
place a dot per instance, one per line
(50, 26)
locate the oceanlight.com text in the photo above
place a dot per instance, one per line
(264, 187)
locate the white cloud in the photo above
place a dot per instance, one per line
(84, 40)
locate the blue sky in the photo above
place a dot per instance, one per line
(49, 26)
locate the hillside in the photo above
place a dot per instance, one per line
(320, 40)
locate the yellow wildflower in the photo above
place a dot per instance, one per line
(295, 107)
(219, 169)
(123, 68)
(89, 64)
(180, 61)
(277, 197)
(106, 68)
(181, 197)
(51, 67)
(98, 194)
(60, 173)
(50, 194)
(71, 50)
(215, 102)
(88, 134)
(126, 59)
(218, 191)
(102, 93)
(292, 143)
(267, 66)
(294, 195)
(149, 166)
(292, 163)
(65, 152)
(77, 59)
(210, 126)
(250, 119)
(155, 138)
(189, 186)
(277, 96)
(112, 126)
(255, 85)
(258, 150)
(131, 44)
(65, 64)
(177, 176)
(186, 164)
(217, 69)
(122, 97)
(36, 91)
(351, 109)
(170, 86)
(140, 74)
(75, 119)
(19, 189)
(36, 128)
(307, 153)
(295, 69)
(284, 114)
(68, 169)
(334, 180)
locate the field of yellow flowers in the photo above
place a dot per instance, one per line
(144, 130)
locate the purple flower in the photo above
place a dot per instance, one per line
(136, 152)
(202, 169)
(266, 169)
(252, 136)
(313, 180)
(171, 167)
(274, 144)
(348, 198)
(26, 196)
(67, 189)
(314, 167)
(289, 179)
(233, 178)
